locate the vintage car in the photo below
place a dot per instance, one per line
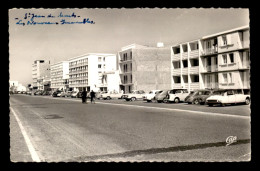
(110, 95)
(134, 95)
(229, 96)
(177, 95)
(150, 96)
(198, 96)
(162, 96)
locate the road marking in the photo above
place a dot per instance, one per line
(33, 153)
(179, 110)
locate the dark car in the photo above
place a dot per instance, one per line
(39, 92)
(79, 95)
(55, 93)
(198, 96)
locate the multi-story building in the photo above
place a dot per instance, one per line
(216, 61)
(91, 71)
(185, 65)
(60, 75)
(144, 68)
(40, 72)
(225, 59)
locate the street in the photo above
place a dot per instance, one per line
(47, 129)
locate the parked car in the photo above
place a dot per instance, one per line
(99, 95)
(198, 96)
(56, 93)
(110, 95)
(38, 92)
(151, 95)
(229, 96)
(134, 95)
(177, 95)
(46, 93)
(162, 96)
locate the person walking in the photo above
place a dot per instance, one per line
(92, 96)
(84, 96)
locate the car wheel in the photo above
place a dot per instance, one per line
(108, 98)
(189, 103)
(148, 100)
(133, 99)
(196, 101)
(210, 105)
(165, 100)
(247, 102)
(176, 100)
(223, 104)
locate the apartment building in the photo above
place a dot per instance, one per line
(217, 61)
(144, 68)
(60, 75)
(93, 71)
(225, 59)
(40, 74)
(185, 63)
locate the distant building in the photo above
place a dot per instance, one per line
(90, 71)
(144, 68)
(40, 72)
(60, 75)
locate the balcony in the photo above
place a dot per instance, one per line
(186, 85)
(194, 54)
(194, 70)
(185, 71)
(210, 51)
(185, 55)
(176, 57)
(212, 68)
(125, 61)
(176, 71)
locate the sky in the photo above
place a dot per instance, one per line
(112, 29)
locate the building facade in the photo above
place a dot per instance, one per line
(217, 61)
(40, 73)
(144, 68)
(90, 71)
(60, 76)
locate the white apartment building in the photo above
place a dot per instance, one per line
(94, 71)
(60, 75)
(216, 61)
(40, 73)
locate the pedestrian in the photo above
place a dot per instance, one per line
(92, 96)
(84, 96)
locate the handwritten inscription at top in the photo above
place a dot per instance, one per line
(60, 19)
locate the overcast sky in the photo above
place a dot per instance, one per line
(113, 29)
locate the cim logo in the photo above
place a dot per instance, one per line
(231, 139)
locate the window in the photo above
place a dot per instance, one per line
(224, 59)
(185, 64)
(225, 78)
(231, 56)
(196, 78)
(99, 66)
(99, 59)
(224, 40)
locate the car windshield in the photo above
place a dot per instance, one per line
(222, 92)
(164, 92)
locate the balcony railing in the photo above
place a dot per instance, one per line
(209, 51)
(184, 71)
(194, 53)
(176, 71)
(185, 55)
(176, 57)
(194, 86)
(212, 85)
(177, 85)
(212, 68)
(194, 70)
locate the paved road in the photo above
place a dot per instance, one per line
(63, 129)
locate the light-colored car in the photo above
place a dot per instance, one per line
(162, 96)
(74, 94)
(151, 95)
(111, 95)
(177, 95)
(134, 95)
(99, 95)
(229, 96)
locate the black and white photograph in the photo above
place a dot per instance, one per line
(129, 85)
